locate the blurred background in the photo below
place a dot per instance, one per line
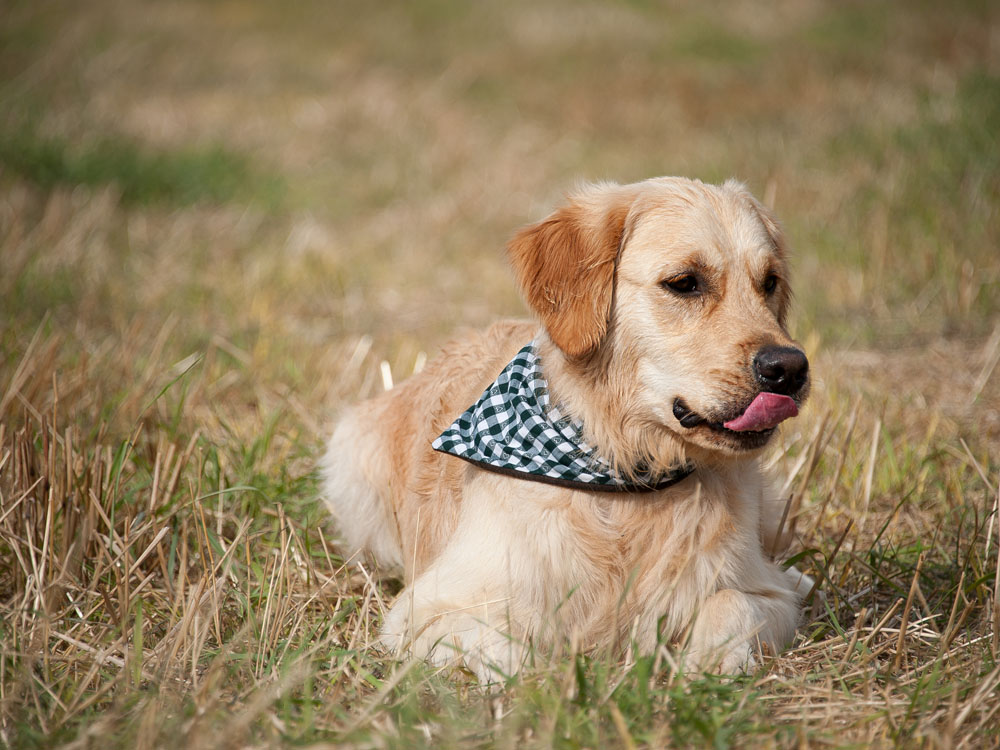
(287, 175)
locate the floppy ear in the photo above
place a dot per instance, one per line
(565, 266)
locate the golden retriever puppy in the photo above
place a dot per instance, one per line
(596, 474)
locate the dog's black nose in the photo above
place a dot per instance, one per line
(781, 369)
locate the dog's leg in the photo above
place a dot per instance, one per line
(733, 626)
(449, 621)
(460, 610)
(484, 595)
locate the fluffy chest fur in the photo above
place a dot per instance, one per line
(633, 567)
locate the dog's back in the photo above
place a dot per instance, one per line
(381, 452)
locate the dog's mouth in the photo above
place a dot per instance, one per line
(752, 427)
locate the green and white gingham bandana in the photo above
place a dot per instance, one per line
(513, 429)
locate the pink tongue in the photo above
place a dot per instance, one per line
(764, 412)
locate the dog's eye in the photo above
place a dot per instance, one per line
(684, 284)
(770, 284)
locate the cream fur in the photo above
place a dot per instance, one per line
(492, 563)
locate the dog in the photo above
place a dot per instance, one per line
(594, 475)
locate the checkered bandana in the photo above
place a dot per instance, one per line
(513, 429)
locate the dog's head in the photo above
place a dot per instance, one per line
(682, 289)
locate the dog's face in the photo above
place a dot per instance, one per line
(683, 284)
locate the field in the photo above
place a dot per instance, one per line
(221, 221)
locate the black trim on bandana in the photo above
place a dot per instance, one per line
(670, 479)
(513, 429)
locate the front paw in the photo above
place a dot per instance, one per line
(728, 658)
(733, 628)
(455, 639)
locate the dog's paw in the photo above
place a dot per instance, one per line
(739, 659)
(454, 640)
(799, 582)
(734, 628)
(811, 597)
(735, 658)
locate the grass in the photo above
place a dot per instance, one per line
(219, 221)
(211, 175)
